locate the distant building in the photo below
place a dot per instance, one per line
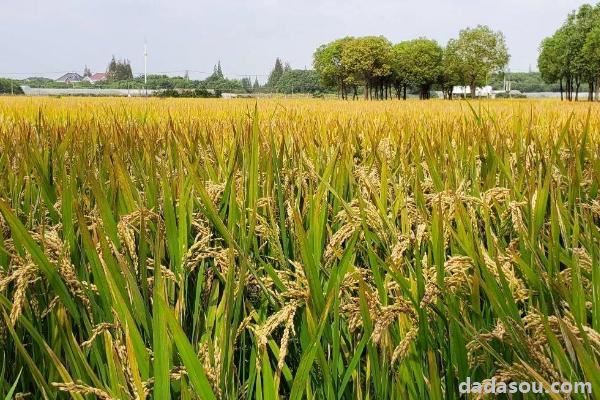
(97, 77)
(70, 77)
(465, 91)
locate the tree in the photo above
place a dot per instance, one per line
(591, 51)
(256, 85)
(217, 74)
(327, 61)
(417, 62)
(570, 55)
(450, 74)
(477, 53)
(550, 63)
(275, 73)
(246, 84)
(401, 75)
(86, 72)
(218, 71)
(119, 70)
(588, 24)
(580, 25)
(10, 86)
(299, 81)
(112, 68)
(368, 62)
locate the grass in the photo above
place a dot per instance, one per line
(296, 249)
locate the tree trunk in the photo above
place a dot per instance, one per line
(473, 90)
(598, 89)
(404, 92)
(561, 90)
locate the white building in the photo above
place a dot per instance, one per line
(465, 91)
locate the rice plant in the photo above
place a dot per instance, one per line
(223, 249)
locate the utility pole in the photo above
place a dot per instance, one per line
(146, 68)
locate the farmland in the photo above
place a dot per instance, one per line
(154, 248)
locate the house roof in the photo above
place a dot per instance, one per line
(98, 76)
(70, 76)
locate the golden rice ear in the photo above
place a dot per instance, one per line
(298, 248)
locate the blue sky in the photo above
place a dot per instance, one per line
(50, 37)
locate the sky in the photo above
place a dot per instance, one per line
(48, 38)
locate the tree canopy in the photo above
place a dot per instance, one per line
(276, 73)
(299, 81)
(571, 56)
(380, 67)
(418, 63)
(327, 61)
(119, 70)
(477, 53)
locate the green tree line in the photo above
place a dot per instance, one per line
(383, 70)
(571, 56)
(284, 79)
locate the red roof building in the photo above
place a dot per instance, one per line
(97, 77)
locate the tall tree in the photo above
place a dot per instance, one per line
(450, 74)
(550, 62)
(275, 73)
(111, 70)
(246, 84)
(218, 70)
(401, 75)
(591, 51)
(477, 53)
(418, 62)
(86, 72)
(327, 61)
(570, 55)
(119, 70)
(217, 74)
(368, 61)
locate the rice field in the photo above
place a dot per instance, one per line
(227, 249)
